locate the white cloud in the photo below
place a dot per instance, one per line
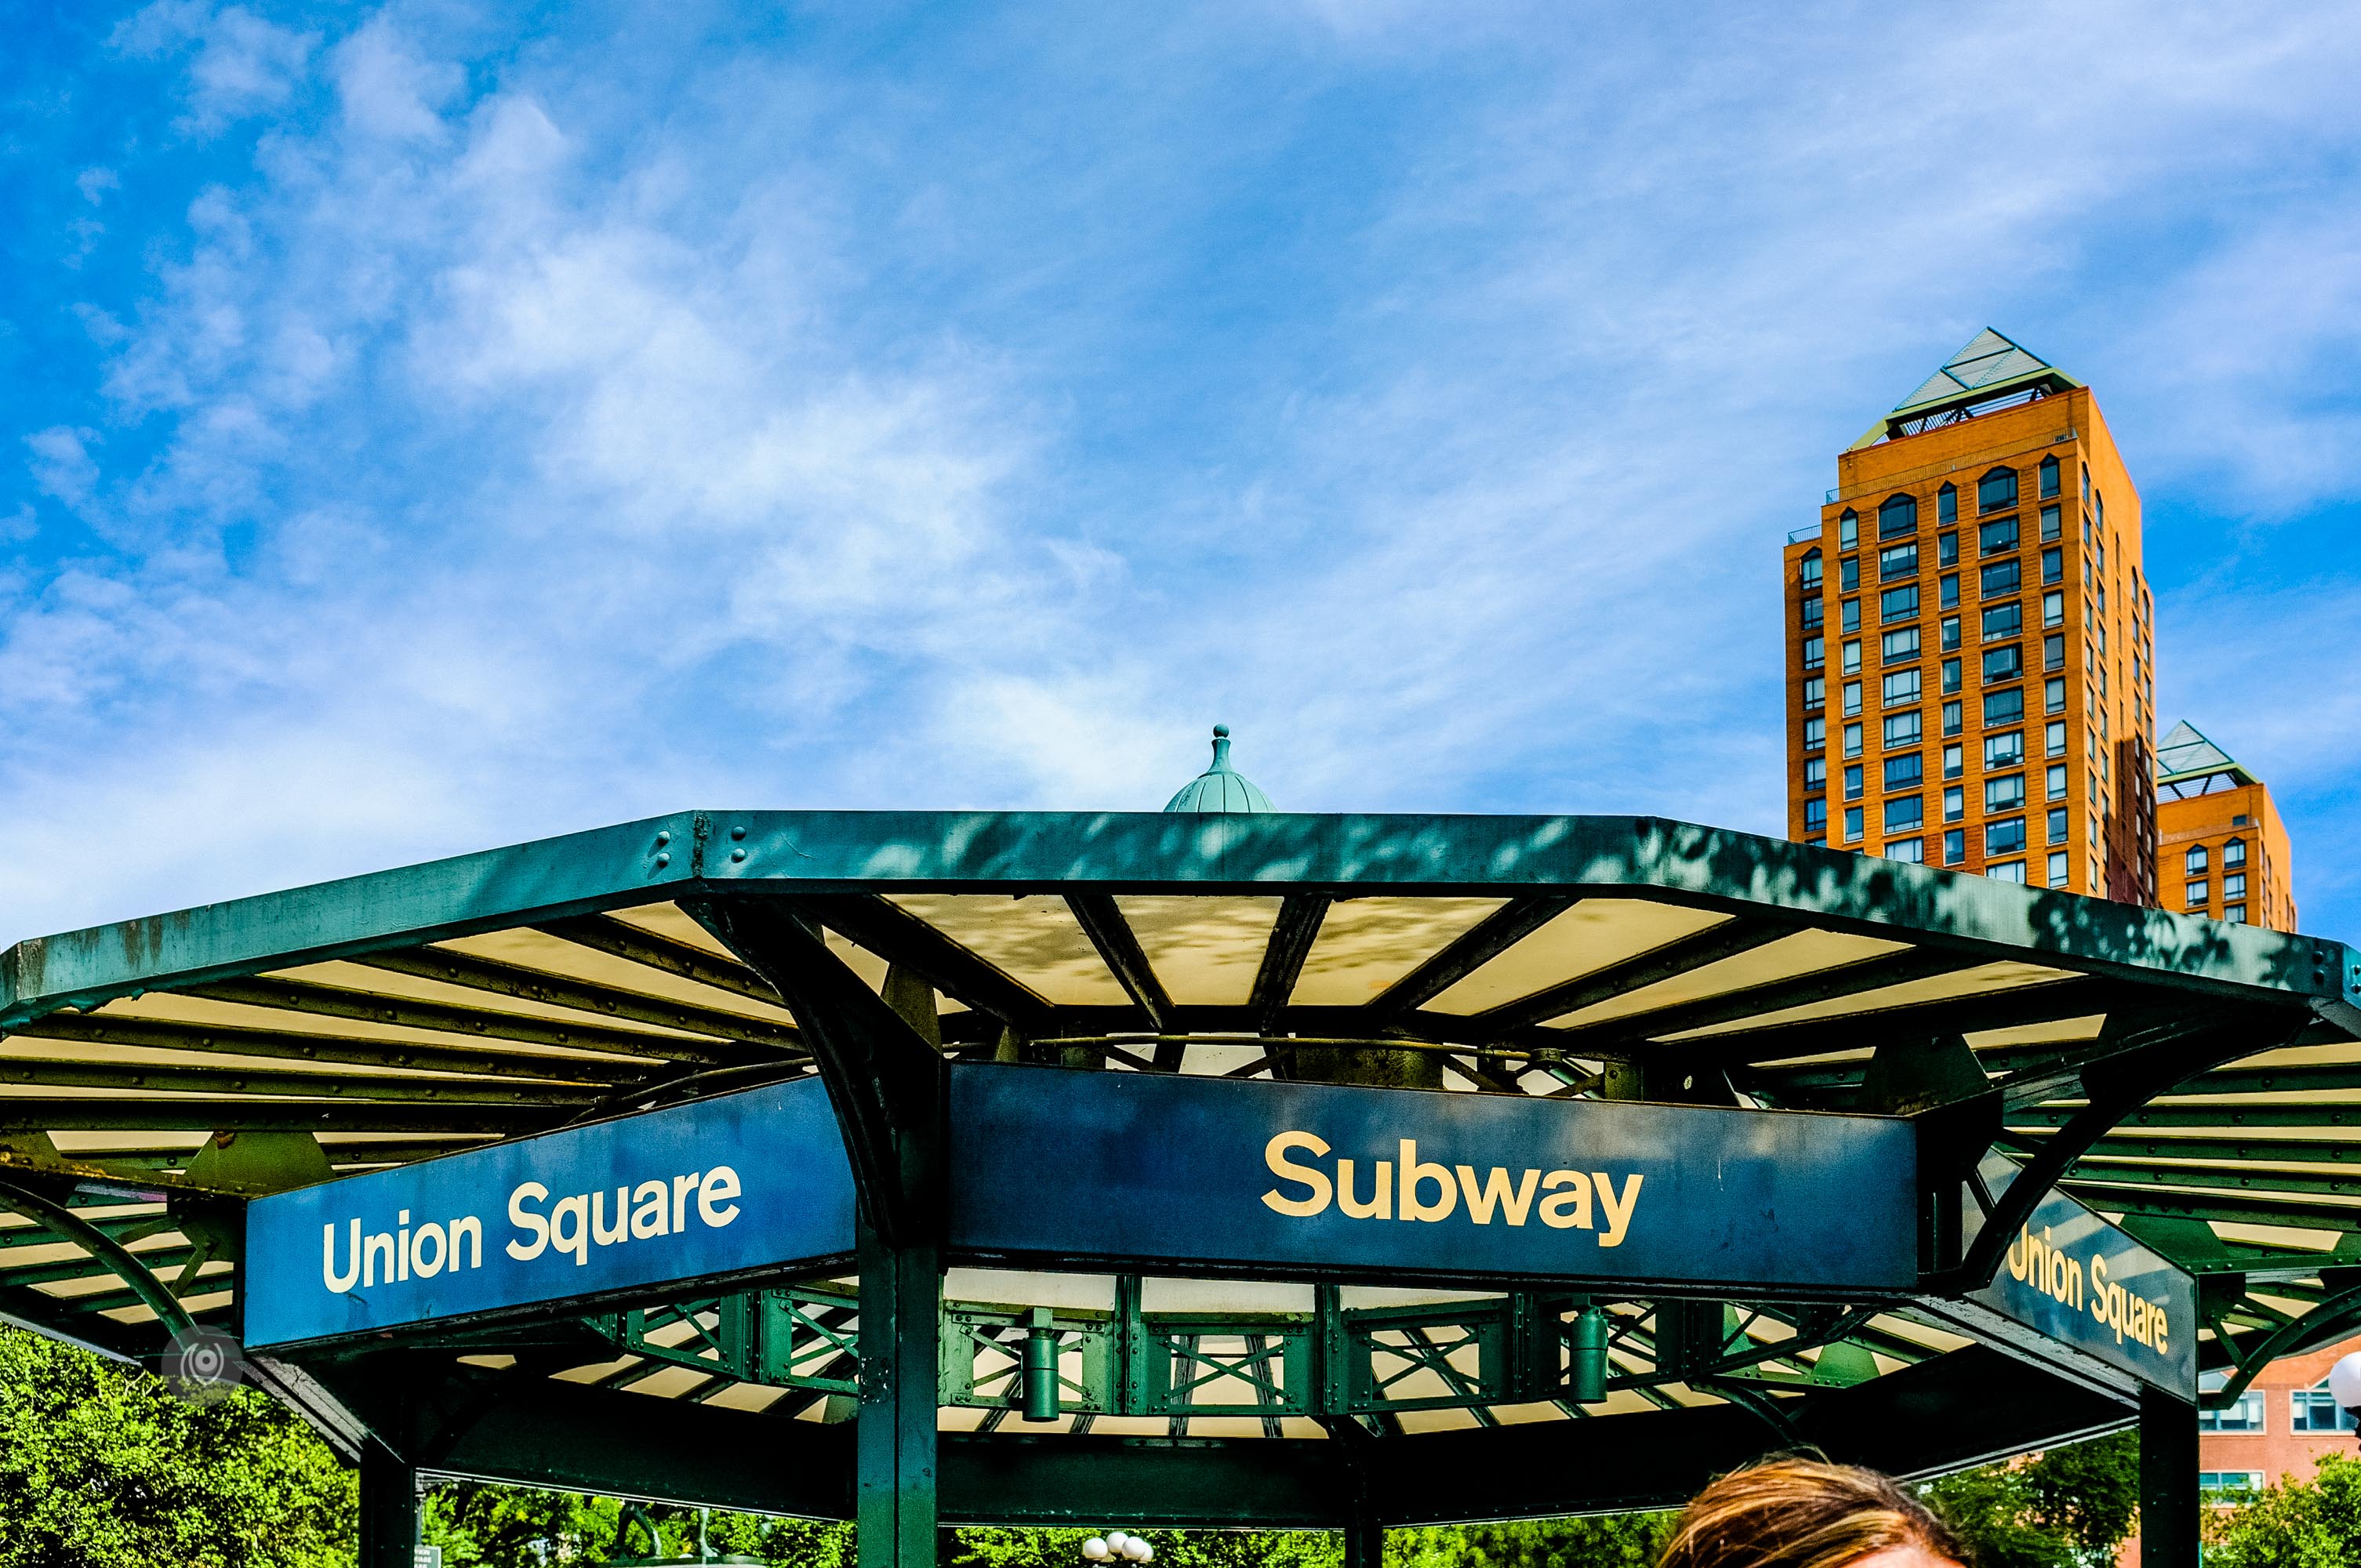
(61, 465)
(239, 64)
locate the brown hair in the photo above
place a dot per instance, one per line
(1803, 1513)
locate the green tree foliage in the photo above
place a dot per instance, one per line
(1606, 1540)
(517, 1527)
(2298, 1523)
(102, 1467)
(2070, 1508)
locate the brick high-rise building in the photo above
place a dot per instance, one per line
(2221, 848)
(1970, 651)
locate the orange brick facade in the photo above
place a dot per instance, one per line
(1970, 657)
(2226, 855)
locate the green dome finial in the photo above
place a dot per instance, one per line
(1220, 787)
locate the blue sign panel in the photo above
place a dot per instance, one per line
(718, 1187)
(1310, 1176)
(2073, 1276)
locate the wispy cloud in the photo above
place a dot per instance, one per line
(493, 434)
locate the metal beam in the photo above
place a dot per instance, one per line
(1471, 950)
(67, 1225)
(1118, 947)
(1710, 946)
(1868, 975)
(732, 1036)
(95, 1113)
(898, 936)
(637, 944)
(319, 1001)
(1298, 926)
(356, 1050)
(2171, 1504)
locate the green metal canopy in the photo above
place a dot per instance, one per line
(2194, 1080)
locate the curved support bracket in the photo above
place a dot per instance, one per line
(885, 1080)
(2149, 1061)
(64, 1223)
(2332, 1318)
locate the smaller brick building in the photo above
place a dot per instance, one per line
(2221, 847)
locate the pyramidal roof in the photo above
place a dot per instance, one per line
(1988, 367)
(2186, 758)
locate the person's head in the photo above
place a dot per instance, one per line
(1803, 1513)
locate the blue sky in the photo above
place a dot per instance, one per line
(431, 426)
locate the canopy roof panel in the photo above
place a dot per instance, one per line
(153, 1066)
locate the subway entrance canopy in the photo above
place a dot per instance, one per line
(1200, 1167)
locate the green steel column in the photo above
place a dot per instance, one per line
(2169, 1501)
(901, 1306)
(388, 1521)
(1365, 1536)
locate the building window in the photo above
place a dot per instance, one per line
(1996, 536)
(1902, 561)
(2057, 868)
(1954, 718)
(1851, 652)
(1848, 615)
(1954, 761)
(2050, 528)
(2053, 565)
(1848, 530)
(1905, 772)
(2003, 664)
(2054, 780)
(1898, 604)
(1815, 691)
(1904, 811)
(1950, 677)
(1816, 734)
(2234, 915)
(2012, 871)
(2000, 578)
(2053, 740)
(1900, 687)
(1851, 822)
(2199, 891)
(1955, 802)
(1955, 846)
(2053, 609)
(2048, 476)
(1851, 698)
(2057, 834)
(1849, 574)
(1950, 634)
(2053, 650)
(2220, 1481)
(2004, 706)
(1903, 730)
(1852, 781)
(1901, 645)
(2314, 1409)
(1911, 849)
(1947, 550)
(2233, 853)
(1810, 574)
(2053, 695)
(1948, 587)
(2005, 794)
(2004, 750)
(1897, 516)
(1815, 774)
(1816, 815)
(2194, 862)
(1947, 504)
(1853, 740)
(2003, 621)
(1996, 489)
(2233, 886)
(1816, 652)
(1814, 613)
(2005, 837)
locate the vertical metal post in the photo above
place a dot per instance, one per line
(901, 1305)
(1365, 1535)
(2169, 1501)
(388, 1521)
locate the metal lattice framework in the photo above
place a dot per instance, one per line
(2192, 1077)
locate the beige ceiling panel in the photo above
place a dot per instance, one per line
(1366, 944)
(667, 920)
(2061, 1032)
(1206, 951)
(1980, 981)
(535, 950)
(173, 1007)
(1033, 939)
(1593, 934)
(1801, 953)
